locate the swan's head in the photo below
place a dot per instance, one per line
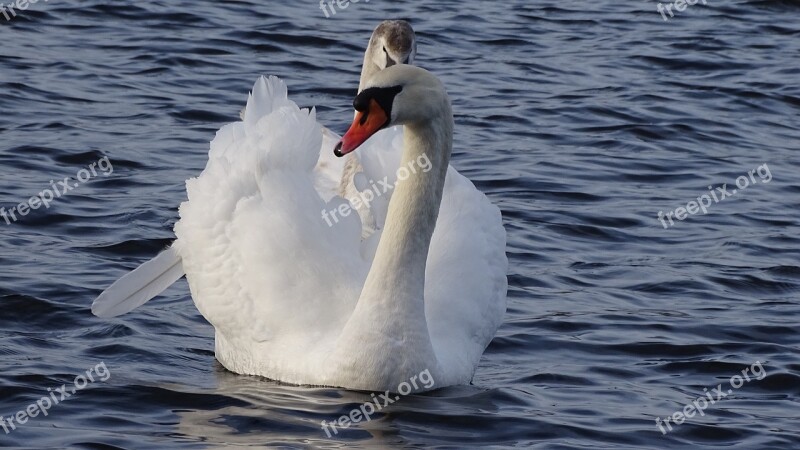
(393, 42)
(399, 95)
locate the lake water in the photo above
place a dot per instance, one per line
(580, 120)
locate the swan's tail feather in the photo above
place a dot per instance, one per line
(138, 287)
(268, 94)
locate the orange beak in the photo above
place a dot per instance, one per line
(364, 126)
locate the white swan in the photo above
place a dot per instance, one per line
(297, 300)
(293, 299)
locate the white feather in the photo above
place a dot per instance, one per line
(153, 277)
(141, 285)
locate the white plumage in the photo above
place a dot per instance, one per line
(305, 287)
(279, 284)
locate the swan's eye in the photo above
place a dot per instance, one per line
(361, 102)
(389, 61)
(383, 96)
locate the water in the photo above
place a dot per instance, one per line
(581, 120)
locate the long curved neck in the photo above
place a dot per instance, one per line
(400, 261)
(368, 68)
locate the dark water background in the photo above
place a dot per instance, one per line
(580, 119)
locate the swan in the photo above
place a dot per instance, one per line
(295, 299)
(300, 300)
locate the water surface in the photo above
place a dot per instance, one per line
(581, 120)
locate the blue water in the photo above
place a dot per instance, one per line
(581, 120)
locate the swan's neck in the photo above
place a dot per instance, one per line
(368, 68)
(367, 71)
(387, 337)
(400, 261)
